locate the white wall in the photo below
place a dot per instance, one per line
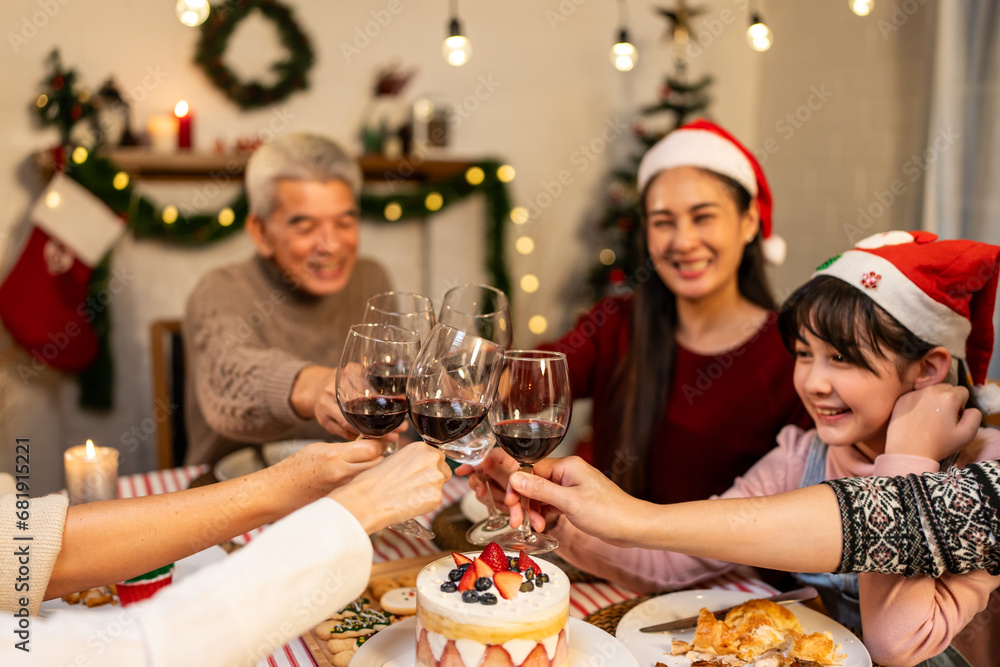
(551, 91)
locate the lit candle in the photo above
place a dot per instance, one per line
(184, 119)
(91, 473)
(162, 131)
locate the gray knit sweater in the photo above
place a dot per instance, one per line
(247, 335)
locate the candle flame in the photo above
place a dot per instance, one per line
(91, 452)
(181, 109)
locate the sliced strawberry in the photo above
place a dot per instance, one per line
(524, 562)
(496, 656)
(508, 583)
(450, 657)
(468, 580)
(460, 559)
(482, 569)
(537, 658)
(494, 556)
(424, 654)
(562, 650)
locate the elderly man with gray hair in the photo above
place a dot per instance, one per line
(263, 337)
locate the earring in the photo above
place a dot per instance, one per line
(749, 238)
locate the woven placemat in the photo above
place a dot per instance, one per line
(450, 526)
(607, 618)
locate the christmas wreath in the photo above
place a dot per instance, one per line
(215, 34)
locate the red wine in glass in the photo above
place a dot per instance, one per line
(375, 416)
(389, 378)
(529, 441)
(444, 420)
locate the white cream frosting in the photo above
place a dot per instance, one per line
(536, 605)
(472, 652)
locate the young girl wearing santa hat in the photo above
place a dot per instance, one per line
(892, 317)
(684, 355)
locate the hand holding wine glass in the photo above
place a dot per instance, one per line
(529, 418)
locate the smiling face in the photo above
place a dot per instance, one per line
(312, 234)
(696, 233)
(850, 404)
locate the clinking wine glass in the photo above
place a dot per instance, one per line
(529, 416)
(371, 386)
(484, 311)
(407, 310)
(452, 384)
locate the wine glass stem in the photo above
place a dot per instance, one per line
(525, 529)
(491, 504)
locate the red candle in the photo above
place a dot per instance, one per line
(184, 119)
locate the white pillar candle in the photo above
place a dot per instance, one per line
(162, 129)
(91, 473)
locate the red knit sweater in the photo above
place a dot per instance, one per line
(722, 415)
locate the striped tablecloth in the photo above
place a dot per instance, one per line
(584, 599)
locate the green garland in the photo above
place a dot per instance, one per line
(151, 220)
(215, 34)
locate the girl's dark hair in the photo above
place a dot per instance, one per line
(849, 322)
(645, 375)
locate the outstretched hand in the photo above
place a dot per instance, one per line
(932, 422)
(591, 501)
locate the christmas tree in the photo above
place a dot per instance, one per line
(60, 103)
(680, 101)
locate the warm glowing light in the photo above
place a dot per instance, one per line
(538, 324)
(423, 109)
(861, 7)
(53, 199)
(91, 452)
(393, 211)
(120, 181)
(529, 283)
(170, 214)
(434, 201)
(227, 216)
(474, 175)
(80, 155)
(759, 36)
(607, 257)
(42, 100)
(519, 215)
(506, 173)
(192, 12)
(457, 50)
(181, 109)
(624, 56)
(525, 245)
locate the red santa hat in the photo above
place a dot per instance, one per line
(704, 144)
(942, 291)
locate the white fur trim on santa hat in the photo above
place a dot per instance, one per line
(775, 249)
(930, 320)
(73, 215)
(883, 239)
(987, 397)
(697, 148)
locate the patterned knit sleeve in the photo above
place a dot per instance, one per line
(922, 525)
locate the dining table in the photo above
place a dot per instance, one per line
(585, 597)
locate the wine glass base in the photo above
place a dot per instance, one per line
(488, 530)
(413, 528)
(535, 543)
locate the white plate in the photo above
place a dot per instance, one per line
(655, 647)
(472, 508)
(396, 647)
(245, 461)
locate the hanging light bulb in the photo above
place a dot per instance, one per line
(861, 7)
(759, 36)
(192, 12)
(457, 49)
(623, 54)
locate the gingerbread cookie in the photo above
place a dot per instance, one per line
(400, 601)
(367, 622)
(352, 609)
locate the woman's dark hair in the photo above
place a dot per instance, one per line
(849, 322)
(645, 375)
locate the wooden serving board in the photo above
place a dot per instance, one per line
(387, 570)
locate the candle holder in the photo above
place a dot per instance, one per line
(91, 473)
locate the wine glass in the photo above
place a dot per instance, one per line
(484, 311)
(451, 385)
(407, 310)
(371, 386)
(529, 416)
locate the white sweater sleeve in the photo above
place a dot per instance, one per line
(236, 612)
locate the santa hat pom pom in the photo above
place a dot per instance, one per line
(988, 397)
(775, 249)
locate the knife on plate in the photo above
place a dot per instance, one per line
(799, 594)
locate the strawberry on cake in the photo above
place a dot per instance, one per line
(492, 610)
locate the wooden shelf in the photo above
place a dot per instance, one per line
(146, 164)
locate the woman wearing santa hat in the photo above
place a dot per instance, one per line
(695, 347)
